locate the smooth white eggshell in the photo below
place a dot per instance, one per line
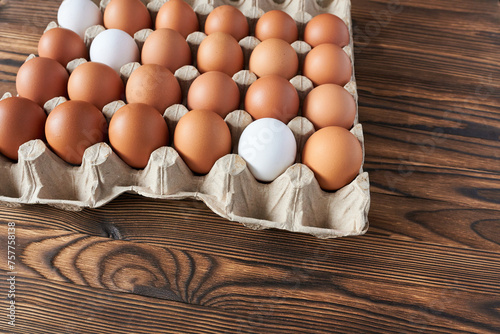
(268, 146)
(114, 48)
(78, 15)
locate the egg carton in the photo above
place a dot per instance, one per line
(294, 201)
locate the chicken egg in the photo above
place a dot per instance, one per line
(135, 131)
(127, 15)
(328, 63)
(227, 19)
(72, 127)
(326, 28)
(214, 91)
(274, 56)
(62, 45)
(268, 146)
(166, 47)
(272, 97)
(153, 85)
(276, 24)
(179, 16)
(114, 48)
(41, 79)
(334, 155)
(78, 15)
(220, 52)
(329, 104)
(201, 138)
(95, 83)
(21, 120)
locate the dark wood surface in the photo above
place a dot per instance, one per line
(428, 78)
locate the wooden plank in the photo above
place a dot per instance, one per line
(456, 186)
(51, 307)
(190, 224)
(367, 282)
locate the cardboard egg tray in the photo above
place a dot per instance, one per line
(294, 201)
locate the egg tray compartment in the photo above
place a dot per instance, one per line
(294, 201)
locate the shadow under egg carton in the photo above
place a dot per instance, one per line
(294, 201)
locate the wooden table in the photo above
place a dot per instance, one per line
(428, 76)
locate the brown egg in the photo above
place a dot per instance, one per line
(326, 28)
(135, 131)
(272, 96)
(96, 83)
(179, 16)
(276, 24)
(334, 155)
(72, 127)
(153, 85)
(214, 91)
(62, 45)
(166, 47)
(328, 105)
(41, 79)
(220, 52)
(21, 120)
(227, 19)
(328, 63)
(202, 137)
(274, 56)
(127, 15)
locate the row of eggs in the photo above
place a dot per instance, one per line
(41, 79)
(220, 51)
(132, 16)
(201, 137)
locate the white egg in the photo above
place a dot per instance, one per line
(114, 48)
(268, 146)
(78, 15)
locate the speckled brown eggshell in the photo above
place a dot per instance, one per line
(272, 96)
(62, 45)
(41, 79)
(72, 127)
(334, 155)
(214, 91)
(153, 85)
(21, 120)
(274, 56)
(127, 15)
(96, 83)
(179, 16)
(135, 131)
(328, 63)
(201, 138)
(166, 47)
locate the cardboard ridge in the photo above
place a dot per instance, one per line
(294, 201)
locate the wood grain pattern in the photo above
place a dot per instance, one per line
(284, 291)
(50, 307)
(429, 100)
